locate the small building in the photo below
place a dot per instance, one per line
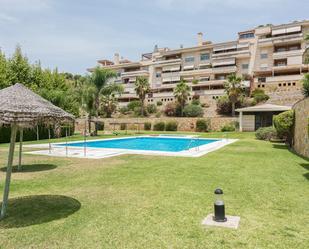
(253, 117)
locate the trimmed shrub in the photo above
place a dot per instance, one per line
(170, 109)
(159, 126)
(151, 108)
(259, 95)
(171, 126)
(202, 125)
(159, 103)
(100, 126)
(193, 111)
(123, 126)
(158, 114)
(284, 123)
(147, 126)
(133, 104)
(266, 133)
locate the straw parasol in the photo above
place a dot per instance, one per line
(20, 108)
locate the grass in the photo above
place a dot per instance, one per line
(136, 201)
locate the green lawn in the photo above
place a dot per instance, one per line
(137, 201)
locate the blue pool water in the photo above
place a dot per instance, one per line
(147, 143)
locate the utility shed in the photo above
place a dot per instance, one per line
(253, 117)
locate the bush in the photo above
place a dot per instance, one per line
(228, 127)
(147, 126)
(160, 126)
(305, 88)
(158, 114)
(202, 125)
(259, 95)
(151, 108)
(30, 134)
(159, 103)
(195, 102)
(284, 123)
(123, 126)
(171, 126)
(170, 109)
(124, 110)
(133, 104)
(193, 111)
(266, 133)
(100, 126)
(224, 105)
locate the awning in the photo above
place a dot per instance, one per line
(224, 62)
(265, 108)
(171, 68)
(189, 67)
(224, 48)
(286, 30)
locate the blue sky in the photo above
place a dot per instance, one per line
(73, 35)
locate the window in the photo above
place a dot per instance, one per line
(246, 36)
(264, 56)
(205, 57)
(294, 84)
(245, 66)
(189, 59)
(262, 79)
(158, 75)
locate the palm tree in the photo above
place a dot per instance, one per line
(87, 102)
(100, 78)
(181, 93)
(233, 89)
(142, 87)
(109, 98)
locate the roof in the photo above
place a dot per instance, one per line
(264, 108)
(21, 106)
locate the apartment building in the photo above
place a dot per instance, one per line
(270, 57)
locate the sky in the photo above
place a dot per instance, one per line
(73, 35)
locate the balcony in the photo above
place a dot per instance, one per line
(226, 69)
(289, 53)
(210, 92)
(276, 79)
(135, 73)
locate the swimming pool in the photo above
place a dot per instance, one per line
(167, 144)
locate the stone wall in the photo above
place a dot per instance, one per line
(301, 130)
(184, 124)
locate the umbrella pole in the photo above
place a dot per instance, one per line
(21, 135)
(66, 141)
(9, 171)
(49, 144)
(85, 138)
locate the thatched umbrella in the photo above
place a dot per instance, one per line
(20, 108)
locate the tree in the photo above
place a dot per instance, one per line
(109, 98)
(4, 71)
(233, 89)
(305, 88)
(142, 87)
(100, 78)
(181, 93)
(20, 69)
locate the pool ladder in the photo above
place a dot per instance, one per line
(197, 148)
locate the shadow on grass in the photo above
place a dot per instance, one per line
(38, 209)
(280, 146)
(305, 166)
(26, 168)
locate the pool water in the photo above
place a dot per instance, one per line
(146, 143)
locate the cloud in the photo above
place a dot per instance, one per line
(4, 18)
(24, 5)
(201, 5)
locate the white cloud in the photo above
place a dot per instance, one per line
(5, 18)
(24, 5)
(200, 5)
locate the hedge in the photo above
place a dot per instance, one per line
(30, 134)
(171, 126)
